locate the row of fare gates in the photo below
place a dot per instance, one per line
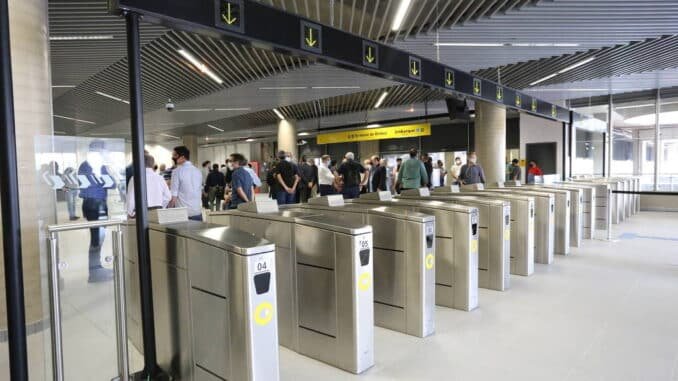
(316, 278)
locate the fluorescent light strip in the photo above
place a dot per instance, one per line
(381, 99)
(564, 90)
(249, 140)
(169, 136)
(200, 66)
(545, 44)
(233, 109)
(81, 38)
(373, 125)
(111, 97)
(500, 44)
(565, 70)
(73, 119)
(473, 44)
(334, 87)
(400, 14)
(195, 110)
(63, 86)
(284, 88)
(279, 114)
(215, 128)
(303, 134)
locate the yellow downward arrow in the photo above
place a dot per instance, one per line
(370, 58)
(228, 18)
(414, 68)
(309, 40)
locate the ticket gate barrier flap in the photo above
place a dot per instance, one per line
(494, 238)
(335, 274)
(267, 222)
(313, 320)
(214, 292)
(576, 212)
(404, 259)
(544, 228)
(562, 217)
(456, 247)
(603, 202)
(521, 229)
(588, 206)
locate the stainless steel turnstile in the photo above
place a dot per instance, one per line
(544, 229)
(522, 224)
(326, 309)
(494, 237)
(456, 247)
(404, 258)
(214, 299)
(588, 206)
(576, 211)
(603, 203)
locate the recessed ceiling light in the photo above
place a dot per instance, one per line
(200, 66)
(334, 87)
(279, 114)
(400, 14)
(215, 128)
(381, 99)
(284, 88)
(80, 37)
(565, 70)
(111, 97)
(73, 119)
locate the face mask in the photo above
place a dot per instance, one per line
(472, 160)
(288, 159)
(230, 165)
(174, 159)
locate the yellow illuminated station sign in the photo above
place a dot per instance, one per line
(393, 132)
(370, 54)
(519, 100)
(311, 37)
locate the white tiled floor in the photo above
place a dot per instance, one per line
(609, 311)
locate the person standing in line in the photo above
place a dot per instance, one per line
(514, 170)
(350, 172)
(443, 172)
(242, 185)
(533, 171)
(314, 191)
(288, 179)
(472, 172)
(215, 186)
(428, 165)
(95, 207)
(306, 183)
(205, 170)
(412, 174)
(365, 179)
(186, 185)
(71, 190)
(455, 171)
(396, 170)
(255, 178)
(388, 172)
(378, 181)
(157, 192)
(325, 177)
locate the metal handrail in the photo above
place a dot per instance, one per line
(119, 288)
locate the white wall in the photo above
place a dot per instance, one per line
(219, 154)
(539, 130)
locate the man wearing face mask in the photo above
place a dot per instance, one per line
(306, 183)
(288, 179)
(472, 172)
(455, 170)
(378, 175)
(186, 184)
(95, 207)
(325, 176)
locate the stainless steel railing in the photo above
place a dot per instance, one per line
(119, 290)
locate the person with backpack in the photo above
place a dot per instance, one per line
(350, 172)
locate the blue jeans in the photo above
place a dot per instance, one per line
(197, 217)
(325, 190)
(285, 198)
(351, 192)
(71, 197)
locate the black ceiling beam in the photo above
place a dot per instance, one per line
(250, 22)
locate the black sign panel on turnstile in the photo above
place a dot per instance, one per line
(291, 34)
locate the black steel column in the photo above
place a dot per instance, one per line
(151, 368)
(11, 225)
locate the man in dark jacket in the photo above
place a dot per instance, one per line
(350, 172)
(428, 164)
(215, 183)
(378, 175)
(306, 184)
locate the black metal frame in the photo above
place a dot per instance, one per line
(11, 223)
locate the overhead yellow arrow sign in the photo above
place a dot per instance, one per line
(369, 57)
(476, 86)
(310, 41)
(449, 80)
(414, 69)
(228, 17)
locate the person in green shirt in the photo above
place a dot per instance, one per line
(412, 174)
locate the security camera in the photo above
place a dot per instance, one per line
(170, 105)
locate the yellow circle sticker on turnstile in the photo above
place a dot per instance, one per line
(507, 234)
(430, 260)
(474, 245)
(263, 314)
(365, 281)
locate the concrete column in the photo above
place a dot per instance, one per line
(191, 142)
(287, 137)
(29, 30)
(490, 130)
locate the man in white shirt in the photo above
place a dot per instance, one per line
(186, 184)
(157, 193)
(325, 176)
(455, 171)
(255, 179)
